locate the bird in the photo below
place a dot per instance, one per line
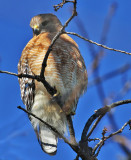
(65, 71)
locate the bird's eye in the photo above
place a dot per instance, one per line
(44, 23)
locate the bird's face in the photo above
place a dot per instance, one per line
(36, 29)
(45, 23)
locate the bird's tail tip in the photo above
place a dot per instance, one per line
(48, 141)
(51, 150)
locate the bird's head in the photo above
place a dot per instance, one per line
(45, 23)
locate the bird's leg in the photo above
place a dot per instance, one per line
(71, 130)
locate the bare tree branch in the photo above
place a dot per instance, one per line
(100, 53)
(104, 138)
(101, 112)
(87, 154)
(73, 146)
(10, 73)
(41, 77)
(45, 123)
(82, 149)
(44, 63)
(55, 38)
(50, 89)
(109, 75)
(94, 126)
(98, 44)
(83, 30)
(60, 5)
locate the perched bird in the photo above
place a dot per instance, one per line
(65, 71)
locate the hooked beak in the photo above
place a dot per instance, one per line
(36, 29)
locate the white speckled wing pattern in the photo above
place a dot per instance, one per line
(27, 85)
(65, 71)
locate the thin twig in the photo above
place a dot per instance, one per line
(109, 75)
(125, 88)
(41, 78)
(44, 63)
(83, 30)
(45, 123)
(124, 143)
(50, 89)
(21, 75)
(97, 59)
(101, 112)
(93, 139)
(108, 21)
(98, 44)
(10, 73)
(94, 126)
(101, 143)
(74, 147)
(60, 5)
(119, 131)
(77, 157)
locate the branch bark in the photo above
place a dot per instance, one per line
(101, 143)
(82, 149)
(98, 44)
(100, 113)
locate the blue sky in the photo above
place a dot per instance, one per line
(17, 138)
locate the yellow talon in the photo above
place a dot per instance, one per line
(56, 94)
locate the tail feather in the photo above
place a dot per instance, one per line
(48, 140)
(50, 112)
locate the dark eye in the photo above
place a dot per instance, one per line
(44, 23)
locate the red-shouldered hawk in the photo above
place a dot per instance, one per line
(65, 71)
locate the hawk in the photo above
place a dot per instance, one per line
(65, 71)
